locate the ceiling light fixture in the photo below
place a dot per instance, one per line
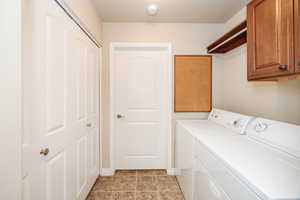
(152, 9)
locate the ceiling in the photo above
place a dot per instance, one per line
(176, 11)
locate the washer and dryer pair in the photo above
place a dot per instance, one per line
(236, 157)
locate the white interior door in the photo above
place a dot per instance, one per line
(61, 93)
(140, 107)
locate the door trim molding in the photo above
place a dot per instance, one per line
(173, 172)
(107, 172)
(100, 96)
(169, 138)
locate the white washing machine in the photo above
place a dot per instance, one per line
(219, 124)
(213, 180)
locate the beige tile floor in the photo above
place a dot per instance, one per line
(137, 185)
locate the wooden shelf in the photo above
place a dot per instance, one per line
(231, 40)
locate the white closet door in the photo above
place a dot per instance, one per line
(62, 85)
(93, 100)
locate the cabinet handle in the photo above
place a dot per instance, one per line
(283, 68)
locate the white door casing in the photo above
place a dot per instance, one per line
(11, 99)
(61, 107)
(141, 93)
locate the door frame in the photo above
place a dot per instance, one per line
(11, 99)
(100, 131)
(168, 115)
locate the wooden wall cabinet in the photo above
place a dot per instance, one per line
(297, 36)
(271, 49)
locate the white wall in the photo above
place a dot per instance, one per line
(87, 13)
(273, 100)
(10, 103)
(185, 39)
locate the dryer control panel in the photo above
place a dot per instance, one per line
(234, 121)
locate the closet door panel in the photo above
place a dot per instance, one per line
(61, 90)
(93, 74)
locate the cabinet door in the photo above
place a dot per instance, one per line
(193, 83)
(270, 38)
(297, 35)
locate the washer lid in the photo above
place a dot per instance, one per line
(280, 135)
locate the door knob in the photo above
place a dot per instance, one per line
(44, 152)
(89, 125)
(119, 116)
(283, 68)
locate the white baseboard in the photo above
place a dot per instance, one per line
(107, 172)
(172, 171)
(111, 172)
